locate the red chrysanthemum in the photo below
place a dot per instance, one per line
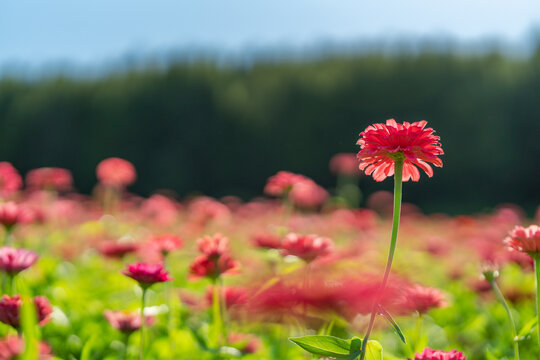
(382, 144)
(147, 274)
(203, 266)
(10, 308)
(524, 239)
(14, 260)
(116, 172)
(126, 322)
(10, 180)
(49, 178)
(421, 299)
(429, 354)
(307, 247)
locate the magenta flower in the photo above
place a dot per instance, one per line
(12, 347)
(524, 239)
(203, 266)
(10, 180)
(126, 322)
(10, 308)
(307, 247)
(14, 260)
(147, 274)
(429, 354)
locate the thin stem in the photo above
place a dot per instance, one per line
(216, 312)
(503, 302)
(419, 320)
(223, 306)
(126, 343)
(537, 283)
(143, 322)
(398, 181)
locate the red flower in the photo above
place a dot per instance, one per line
(116, 172)
(166, 243)
(307, 247)
(10, 310)
(282, 183)
(344, 164)
(267, 241)
(117, 250)
(246, 343)
(10, 180)
(203, 266)
(382, 144)
(12, 214)
(126, 322)
(147, 274)
(213, 246)
(14, 260)
(421, 299)
(524, 239)
(308, 194)
(12, 347)
(429, 354)
(49, 178)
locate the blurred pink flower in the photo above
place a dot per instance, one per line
(165, 243)
(308, 194)
(160, 209)
(282, 183)
(203, 266)
(126, 322)
(116, 249)
(421, 299)
(382, 144)
(429, 354)
(14, 260)
(49, 178)
(213, 246)
(344, 164)
(147, 274)
(307, 247)
(524, 239)
(12, 347)
(116, 172)
(12, 214)
(10, 308)
(10, 180)
(266, 241)
(232, 296)
(245, 343)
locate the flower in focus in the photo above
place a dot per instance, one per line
(116, 249)
(203, 266)
(382, 144)
(307, 247)
(283, 182)
(10, 308)
(12, 347)
(420, 299)
(126, 322)
(14, 260)
(344, 164)
(266, 241)
(245, 343)
(166, 243)
(116, 172)
(10, 180)
(213, 246)
(429, 354)
(524, 239)
(147, 274)
(49, 178)
(308, 194)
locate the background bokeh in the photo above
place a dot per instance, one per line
(203, 125)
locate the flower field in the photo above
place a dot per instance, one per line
(299, 270)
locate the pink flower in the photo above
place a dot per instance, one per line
(344, 164)
(10, 180)
(524, 239)
(421, 299)
(115, 249)
(308, 194)
(203, 266)
(12, 214)
(10, 310)
(382, 144)
(429, 354)
(12, 347)
(232, 296)
(282, 183)
(307, 247)
(116, 172)
(266, 241)
(48, 178)
(147, 274)
(126, 322)
(14, 260)
(166, 243)
(213, 246)
(246, 343)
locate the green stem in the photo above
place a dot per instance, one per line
(126, 343)
(537, 283)
(216, 312)
(398, 181)
(143, 322)
(503, 302)
(418, 345)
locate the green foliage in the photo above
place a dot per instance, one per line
(324, 345)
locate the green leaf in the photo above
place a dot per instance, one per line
(394, 324)
(490, 356)
(324, 345)
(374, 351)
(86, 353)
(527, 329)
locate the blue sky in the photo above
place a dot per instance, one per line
(37, 32)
